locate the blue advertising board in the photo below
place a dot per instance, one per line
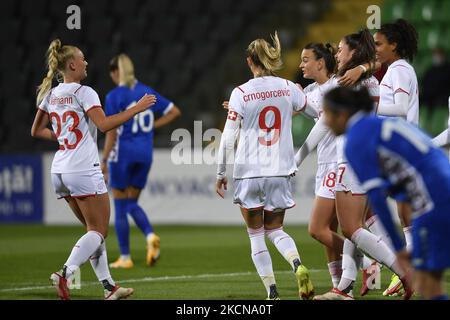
(21, 189)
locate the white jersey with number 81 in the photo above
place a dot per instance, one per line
(67, 106)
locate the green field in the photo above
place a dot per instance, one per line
(206, 262)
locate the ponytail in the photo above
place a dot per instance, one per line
(266, 56)
(52, 66)
(57, 57)
(123, 63)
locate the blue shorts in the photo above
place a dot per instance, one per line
(123, 174)
(431, 240)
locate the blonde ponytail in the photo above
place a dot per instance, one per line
(126, 70)
(57, 57)
(265, 55)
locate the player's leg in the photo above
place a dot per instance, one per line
(72, 203)
(118, 180)
(278, 198)
(96, 211)
(259, 252)
(395, 287)
(430, 254)
(430, 284)
(60, 282)
(273, 226)
(405, 215)
(322, 227)
(59, 278)
(375, 226)
(351, 211)
(138, 178)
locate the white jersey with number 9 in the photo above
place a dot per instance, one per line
(265, 147)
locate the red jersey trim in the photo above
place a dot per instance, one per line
(78, 89)
(401, 90)
(93, 107)
(241, 89)
(85, 196)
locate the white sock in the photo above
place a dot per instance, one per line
(99, 262)
(82, 250)
(351, 261)
(285, 245)
(125, 256)
(374, 246)
(149, 236)
(376, 227)
(335, 269)
(408, 238)
(261, 257)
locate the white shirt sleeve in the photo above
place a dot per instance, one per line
(298, 97)
(401, 81)
(44, 103)
(401, 84)
(443, 140)
(317, 133)
(89, 98)
(300, 102)
(236, 102)
(398, 109)
(227, 142)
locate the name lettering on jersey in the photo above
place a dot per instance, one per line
(232, 115)
(267, 95)
(54, 100)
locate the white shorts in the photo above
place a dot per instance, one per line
(269, 193)
(326, 180)
(347, 181)
(79, 184)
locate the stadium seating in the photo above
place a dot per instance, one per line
(190, 51)
(432, 21)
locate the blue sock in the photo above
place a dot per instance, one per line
(139, 216)
(440, 297)
(121, 225)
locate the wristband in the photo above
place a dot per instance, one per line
(363, 67)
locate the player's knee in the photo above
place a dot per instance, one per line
(316, 233)
(272, 225)
(313, 232)
(132, 205)
(102, 231)
(348, 231)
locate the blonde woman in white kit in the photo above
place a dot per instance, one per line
(260, 111)
(75, 113)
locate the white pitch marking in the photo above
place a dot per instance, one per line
(151, 279)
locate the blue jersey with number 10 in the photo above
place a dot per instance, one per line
(138, 131)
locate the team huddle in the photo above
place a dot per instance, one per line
(368, 146)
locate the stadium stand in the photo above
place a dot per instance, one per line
(190, 51)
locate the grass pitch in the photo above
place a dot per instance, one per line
(197, 262)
